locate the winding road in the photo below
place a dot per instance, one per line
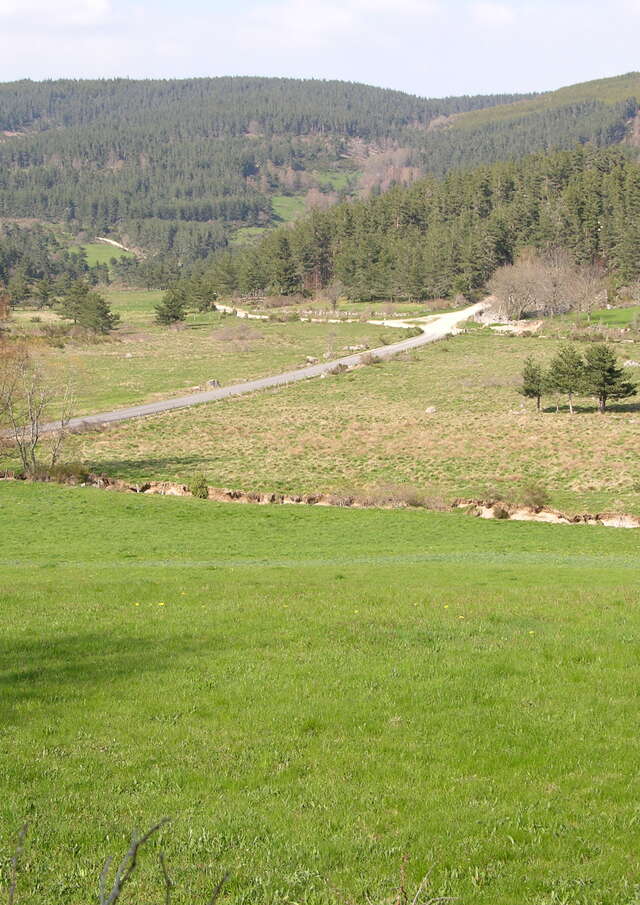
(433, 328)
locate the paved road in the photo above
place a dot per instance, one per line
(433, 329)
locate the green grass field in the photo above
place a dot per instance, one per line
(336, 179)
(371, 426)
(287, 207)
(98, 253)
(248, 235)
(312, 694)
(614, 317)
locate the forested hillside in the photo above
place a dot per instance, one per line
(443, 236)
(181, 168)
(598, 112)
(173, 165)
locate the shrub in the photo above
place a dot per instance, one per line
(535, 495)
(199, 487)
(500, 512)
(69, 472)
(370, 359)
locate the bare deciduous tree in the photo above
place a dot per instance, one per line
(27, 396)
(546, 285)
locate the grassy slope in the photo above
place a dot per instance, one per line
(97, 253)
(287, 207)
(609, 91)
(145, 362)
(313, 693)
(370, 426)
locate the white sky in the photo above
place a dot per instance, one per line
(427, 47)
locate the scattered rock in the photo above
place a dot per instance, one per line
(631, 363)
(431, 410)
(311, 360)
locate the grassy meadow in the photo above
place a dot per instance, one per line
(371, 426)
(312, 694)
(287, 207)
(141, 362)
(100, 253)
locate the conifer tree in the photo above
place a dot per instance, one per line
(95, 314)
(73, 300)
(172, 308)
(533, 381)
(566, 373)
(604, 378)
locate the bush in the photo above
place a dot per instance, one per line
(370, 359)
(535, 495)
(500, 512)
(199, 487)
(395, 495)
(69, 472)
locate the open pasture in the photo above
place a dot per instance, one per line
(142, 361)
(371, 426)
(311, 694)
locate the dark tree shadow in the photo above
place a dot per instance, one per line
(66, 668)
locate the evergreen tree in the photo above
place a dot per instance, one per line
(73, 300)
(566, 373)
(284, 276)
(604, 378)
(87, 308)
(172, 308)
(95, 314)
(18, 287)
(533, 381)
(43, 291)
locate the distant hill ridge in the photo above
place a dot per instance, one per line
(181, 167)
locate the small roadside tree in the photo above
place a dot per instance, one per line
(172, 308)
(604, 378)
(566, 373)
(533, 381)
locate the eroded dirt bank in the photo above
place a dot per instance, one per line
(485, 509)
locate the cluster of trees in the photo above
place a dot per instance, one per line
(560, 127)
(173, 166)
(570, 373)
(195, 294)
(437, 238)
